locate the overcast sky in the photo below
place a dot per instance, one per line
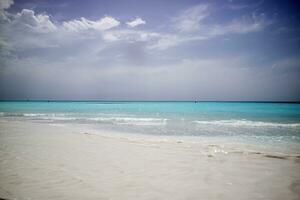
(150, 50)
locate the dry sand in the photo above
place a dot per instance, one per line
(42, 161)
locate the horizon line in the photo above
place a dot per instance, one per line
(99, 100)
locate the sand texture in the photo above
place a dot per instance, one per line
(42, 161)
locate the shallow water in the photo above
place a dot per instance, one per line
(249, 121)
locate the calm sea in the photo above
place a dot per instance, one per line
(262, 122)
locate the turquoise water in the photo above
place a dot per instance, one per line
(258, 121)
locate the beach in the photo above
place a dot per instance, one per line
(149, 100)
(55, 161)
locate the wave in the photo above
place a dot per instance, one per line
(131, 120)
(123, 119)
(10, 114)
(34, 114)
(115, 119)
(247, 123)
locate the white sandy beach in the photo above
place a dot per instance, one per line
(42, 161)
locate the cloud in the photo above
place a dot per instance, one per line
(130, 35)
(189, 20)
(166, 41)
(27, 19)
(206, 79)
(28, 30)
(240, 6)
(136, 22)
(192, 27)
(102, 24)
(83, 58)
(5, 4)
(243, 25)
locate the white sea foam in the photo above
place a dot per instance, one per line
(246, 123)
(34, 114)
(131, 120)
(143, 121)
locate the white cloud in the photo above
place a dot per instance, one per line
(27, 19)
(240, 6)
(4, 4)
(166, 41)
(102, 24)
(192, 21)
(189, 19)
(130, 35)
(136, 22)
(28, 29)
(192, 27)
(246, 24)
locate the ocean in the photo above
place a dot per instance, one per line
(258, 122)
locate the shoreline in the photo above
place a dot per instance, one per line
(42, 161)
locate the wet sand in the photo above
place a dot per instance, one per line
(42, 161)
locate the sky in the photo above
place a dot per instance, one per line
(212, 50)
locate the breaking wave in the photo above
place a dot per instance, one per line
(119, 119)
(123, 119)
(247, 123)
